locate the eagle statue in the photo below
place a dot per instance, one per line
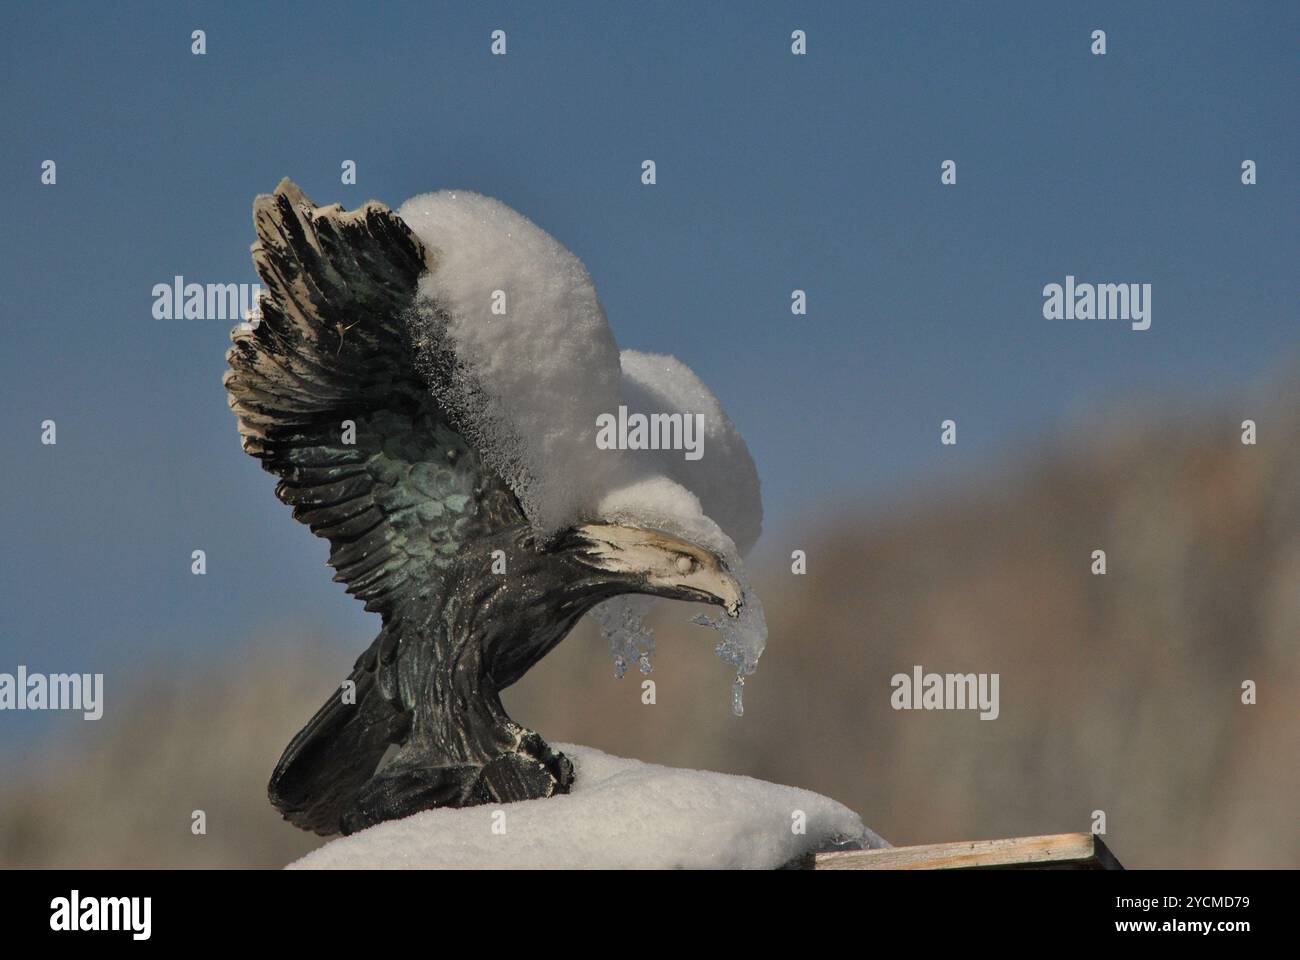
(351, 404)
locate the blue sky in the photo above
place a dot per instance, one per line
(775, 172)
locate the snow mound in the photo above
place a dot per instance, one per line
(621, 814)
(537, 362)
(535, 366)
(724, 482)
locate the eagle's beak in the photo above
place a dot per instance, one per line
(727, 593)
(660, 564)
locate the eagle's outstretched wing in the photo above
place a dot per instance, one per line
(329, 398)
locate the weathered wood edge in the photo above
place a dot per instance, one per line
(1062, 851)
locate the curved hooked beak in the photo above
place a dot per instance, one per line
(660, 564)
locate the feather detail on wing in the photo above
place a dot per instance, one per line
(329, 399)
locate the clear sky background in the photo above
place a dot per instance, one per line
(775, 172)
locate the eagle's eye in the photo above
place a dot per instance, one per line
(685, 564)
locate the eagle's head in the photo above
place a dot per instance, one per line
(653, 562)
(552, 587)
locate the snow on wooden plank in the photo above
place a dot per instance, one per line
(1062, 851)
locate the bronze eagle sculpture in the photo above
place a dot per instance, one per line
(333, 396)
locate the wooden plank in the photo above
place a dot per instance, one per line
(1062, 851)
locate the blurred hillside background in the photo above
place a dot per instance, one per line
(1119, 693)
(775, 173)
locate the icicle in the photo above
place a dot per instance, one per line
(622, 624)
(742, 638)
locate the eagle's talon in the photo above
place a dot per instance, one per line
(513, 777)
(560, 767)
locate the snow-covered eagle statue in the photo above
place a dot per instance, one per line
(440, 394)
